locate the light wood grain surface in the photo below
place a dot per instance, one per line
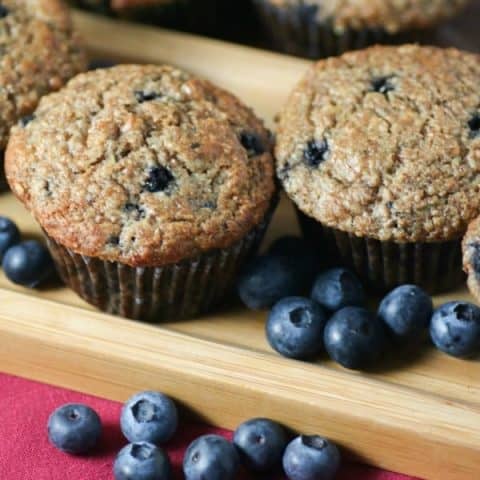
(419, 414)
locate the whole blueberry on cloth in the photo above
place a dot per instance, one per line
(354, 338)
(142, 461)
(455, 329)
(338, 288)
(261, 443)
(311, 458)
(295, 327)
(149, 417)
(406, 311)
(74, 428)
(211, 457)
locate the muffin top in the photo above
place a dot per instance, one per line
(385, 143)
(39, 53)
(392, 15)
(145, 165)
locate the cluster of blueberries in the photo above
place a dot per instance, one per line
(333, 316)
(150, 419)
(26, 263)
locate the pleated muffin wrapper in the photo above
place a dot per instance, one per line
(199, 16)
(382, 266)
(3, 179)
(296, 30)
(155, 294)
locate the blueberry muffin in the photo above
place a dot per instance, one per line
(471, 253)
(39, 53)
(199, 16)
(379, 150)
(321, 28)
(151, 185)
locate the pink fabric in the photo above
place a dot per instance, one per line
(25, 453)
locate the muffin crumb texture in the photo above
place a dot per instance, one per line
(39, 53)
(144, 165)
(385, 143)
(391, 15)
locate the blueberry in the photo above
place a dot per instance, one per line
(4, 11)
(354, 337)
(158, 180)
(406, 311)
(382, 85)
(266, 280)
(311, 458)
(28, 263)
(142, 461)
(210, 457)
(261, 443)
(474, 125)
(252, 143)
(302, 255)
(142, 96)
(338, 288)
(455, 329)
(74, 428)
(149, 417)
(9, 235)
(316, 152)
(24, 121)
(295, 327)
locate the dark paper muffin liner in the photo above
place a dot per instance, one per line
(3, 180)
(382, 266)
(199, 16)
(155, 294)
(296, 30)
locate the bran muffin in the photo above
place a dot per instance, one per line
(199, 16)
(39, 53)
(322, 28)
(151, 185)
(471, 256)
(380, 151)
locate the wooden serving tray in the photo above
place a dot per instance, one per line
(419, 414)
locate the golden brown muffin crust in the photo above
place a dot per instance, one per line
(145, 165)
(391, 15)
(385, 143)
(39, 52)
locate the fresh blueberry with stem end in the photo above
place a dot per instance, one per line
(28, 263)
(149, 417)
(211, 457)
(354, 337)
(261, 443)
(142, 461)
(74, 428)
(9, 235)
(338, 288)
(266, 280)
(406, 311)
(295, 327)
(455, 329)
(311, 458)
